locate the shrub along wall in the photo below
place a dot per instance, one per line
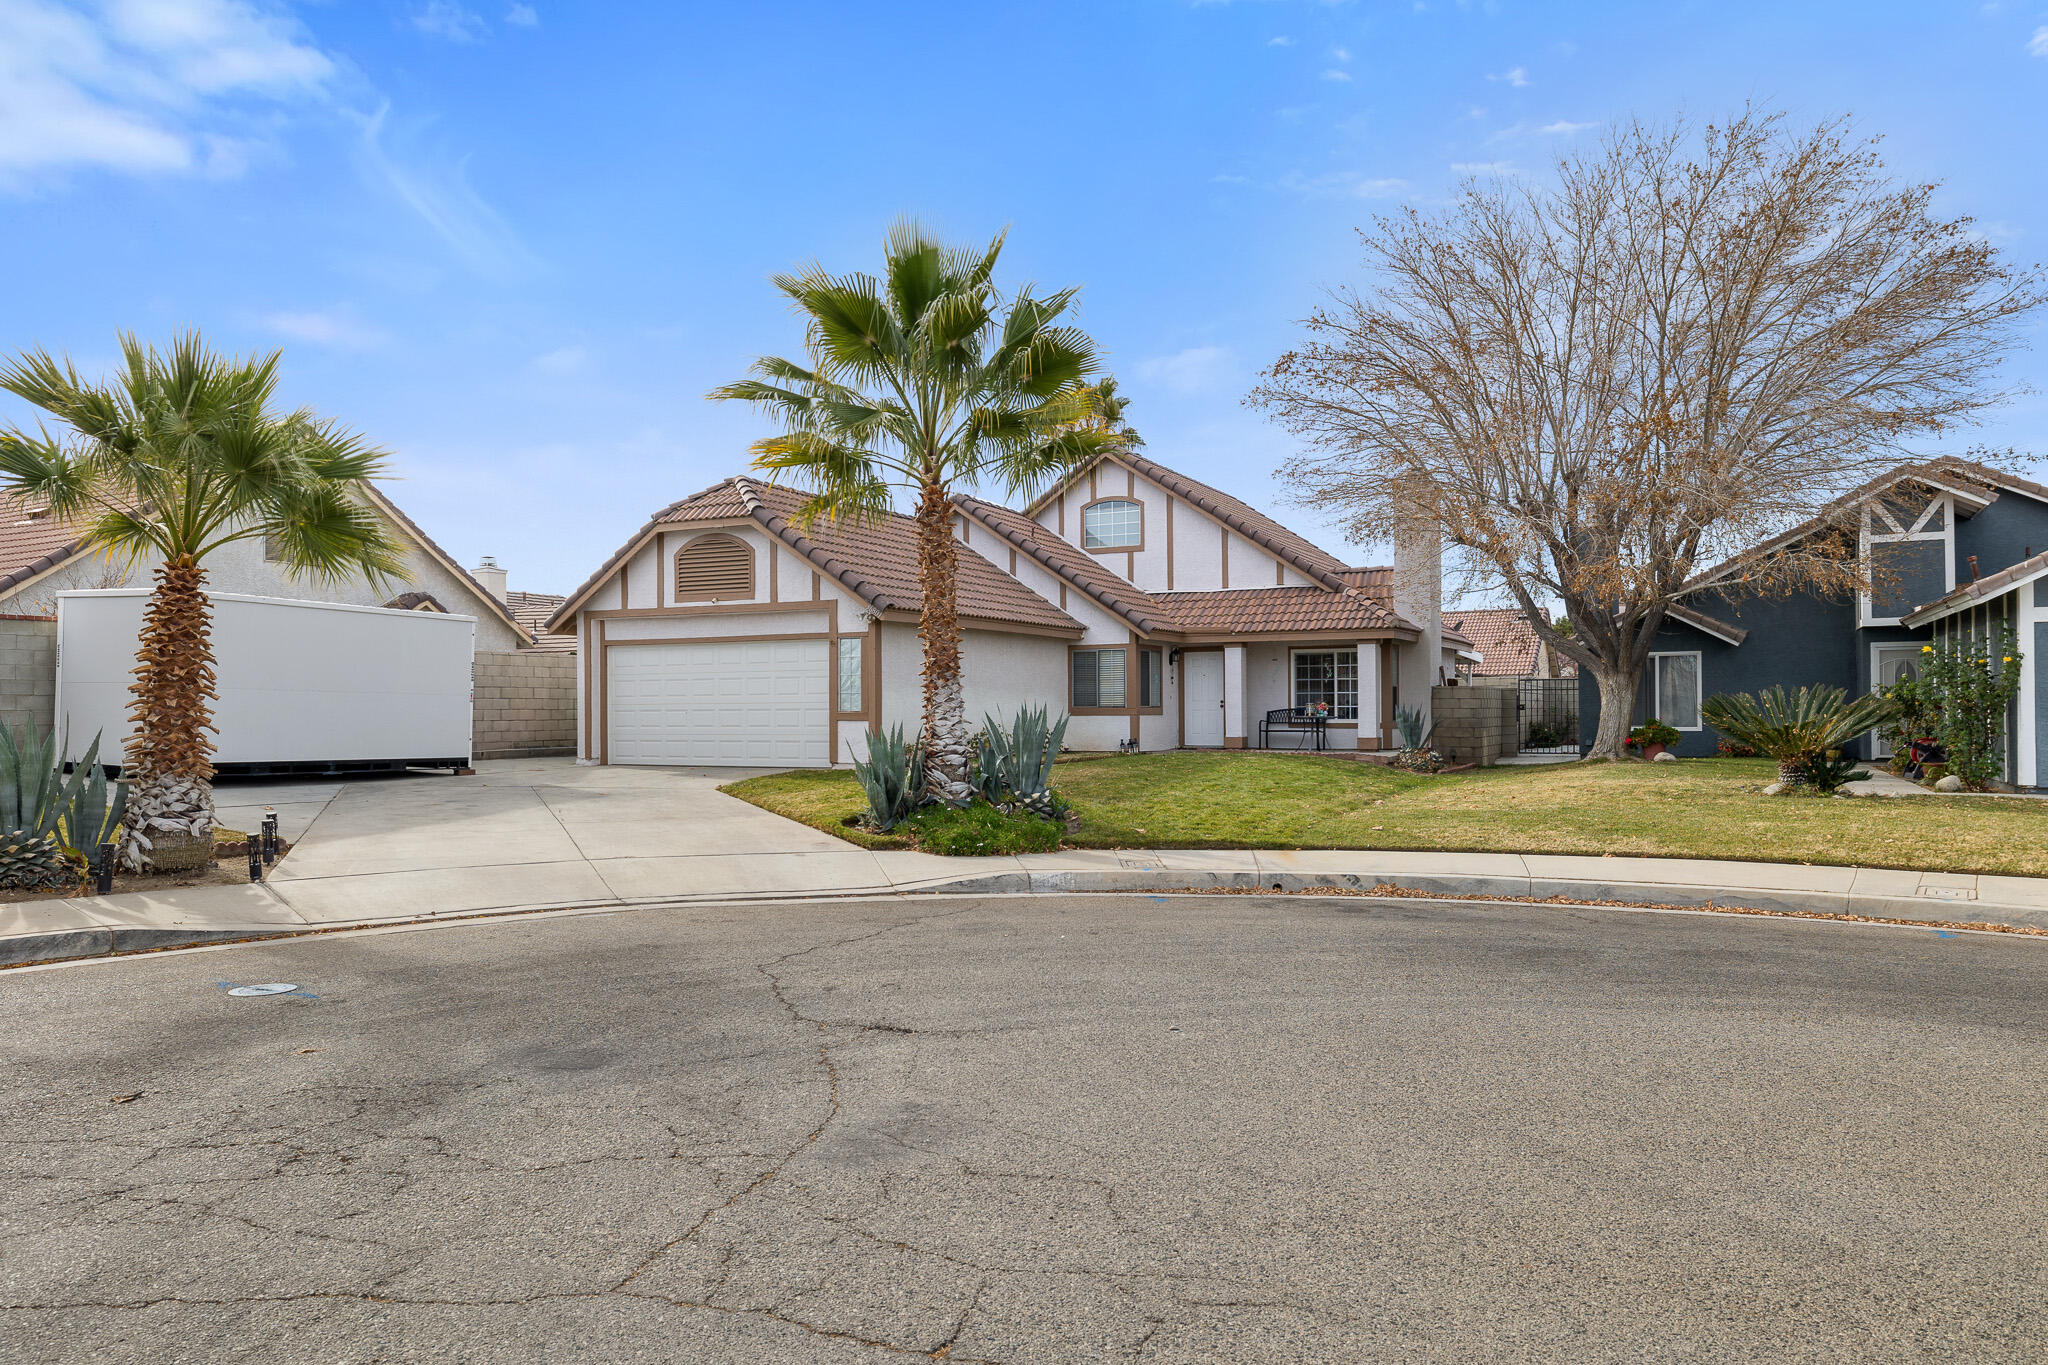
(525, 705)
(1474, 724)
(28, 671)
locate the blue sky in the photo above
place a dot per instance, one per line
(516, 243)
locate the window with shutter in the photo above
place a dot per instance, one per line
(715, 568)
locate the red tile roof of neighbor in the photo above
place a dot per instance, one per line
(1505, 640)
(532, 610)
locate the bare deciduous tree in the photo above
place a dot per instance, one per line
(1695, 339)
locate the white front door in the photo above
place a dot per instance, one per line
(1890, 664)
(1201, 680)
(757, 703)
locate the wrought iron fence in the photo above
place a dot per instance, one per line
(1549, 715)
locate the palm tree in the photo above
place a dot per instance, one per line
(921, 380)
(1107, 411)
(178, 455)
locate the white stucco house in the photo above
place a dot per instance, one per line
(1154, 609)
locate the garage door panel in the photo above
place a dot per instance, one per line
(744, 703)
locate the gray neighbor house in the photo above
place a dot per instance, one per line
(1957, 547)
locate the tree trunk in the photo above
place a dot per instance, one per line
(945, 712)
(169, 760)
(1617, 712)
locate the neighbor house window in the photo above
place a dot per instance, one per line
(1112, 524)
(1098, 679)
(1151, 679)
(849, 673)
(1329, 676)
(1675, 690)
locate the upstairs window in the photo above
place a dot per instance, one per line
(1113, 524)
(1909, 553)
(715, 568)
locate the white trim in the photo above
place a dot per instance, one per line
(1866, 538)
(2031, 609)
(1699, 681)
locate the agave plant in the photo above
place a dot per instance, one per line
(893, 776)
(43, 813)
(1017, 763)
(1408, 722)
(1796, 729)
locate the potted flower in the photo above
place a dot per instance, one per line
(1651, 738)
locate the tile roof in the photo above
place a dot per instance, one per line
(876, 562)
(31, 545)
(1310, 560)
(1240, 610)
(532, 610)
(1504, 638)
(1265, 611)
(416, 601)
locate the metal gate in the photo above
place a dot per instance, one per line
(1548, 710)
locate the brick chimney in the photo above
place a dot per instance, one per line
(491, 576)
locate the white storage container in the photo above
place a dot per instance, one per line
(303, 686)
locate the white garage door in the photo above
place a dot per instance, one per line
(756, 703)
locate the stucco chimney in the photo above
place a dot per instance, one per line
(491, 576)
(1419, 600)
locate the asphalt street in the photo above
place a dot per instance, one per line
(1140, 1128)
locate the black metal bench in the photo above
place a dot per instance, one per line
(1294, 720)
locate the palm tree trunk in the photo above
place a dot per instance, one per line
(945, 711)
(169, 759)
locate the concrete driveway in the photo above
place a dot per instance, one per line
(1148, 1129)
(545, 832)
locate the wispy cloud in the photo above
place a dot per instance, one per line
(1484, 168)
(2038, 44)
(1333, 74)
(1197, 369)
(523, 16)
(564, 360)
(1556, 128)
(145, 86)
(1226, 179)
(336, 329)
(1345, 184)
(437, 190)
(1281, 41)
(1342, 54)
(448, 19)
(1514, 75)
(1565, 128)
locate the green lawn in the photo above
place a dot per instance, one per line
(1697, 808)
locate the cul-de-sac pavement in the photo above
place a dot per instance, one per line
(1138, 1127)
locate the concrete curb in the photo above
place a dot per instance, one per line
(28, 949)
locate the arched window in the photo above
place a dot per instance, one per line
(1113, 524)
(714, 568)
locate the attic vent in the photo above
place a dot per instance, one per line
(713, 567)
(36, 513)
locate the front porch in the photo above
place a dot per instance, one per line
(1227, 689)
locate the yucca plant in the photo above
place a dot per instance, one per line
(1019, 760)
(1796, 729)
(892, 776)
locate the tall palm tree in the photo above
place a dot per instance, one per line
(1109, 411)
(176, 456)
(923, 380)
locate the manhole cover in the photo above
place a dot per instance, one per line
(267, 988)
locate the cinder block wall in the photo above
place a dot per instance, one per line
(28, 671)
(525, 705)
(1478, 724)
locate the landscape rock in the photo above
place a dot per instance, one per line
(1775, 789)
(1950, 783)
(1666, 757)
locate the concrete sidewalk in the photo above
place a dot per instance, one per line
(540, 834)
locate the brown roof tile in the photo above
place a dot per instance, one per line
(877, 562)
(1267, 611)
(1062, 557)
(1504, 638)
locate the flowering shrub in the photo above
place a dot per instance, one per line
(1972, 681)
(1651, 732)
